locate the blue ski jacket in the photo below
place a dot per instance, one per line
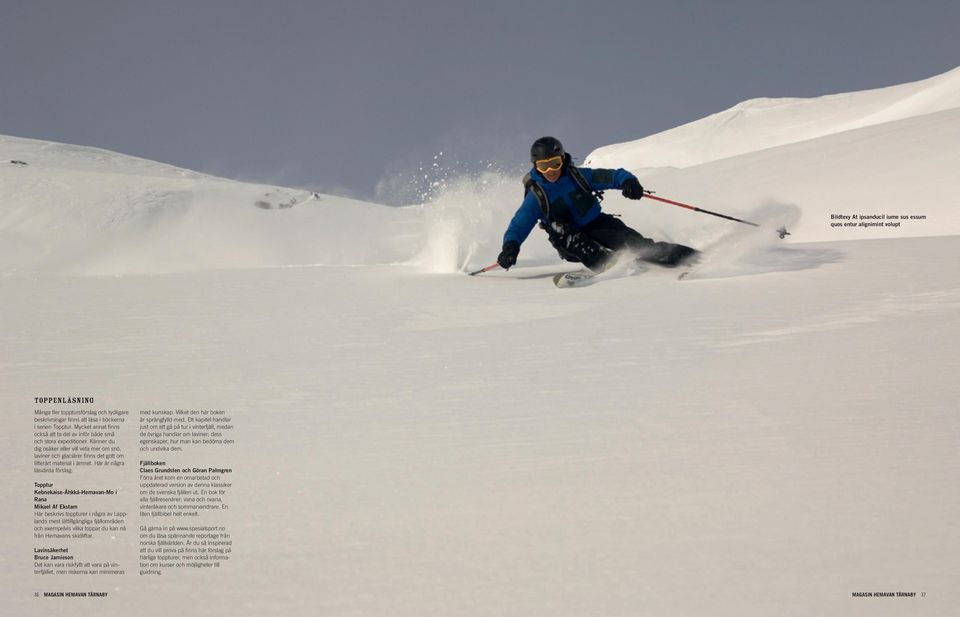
(568, 203)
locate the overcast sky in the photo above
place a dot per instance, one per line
(337, 96)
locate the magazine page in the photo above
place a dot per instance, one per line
(297, 321)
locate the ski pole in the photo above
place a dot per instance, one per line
(696, 209)
(487, 269)
(782, 231)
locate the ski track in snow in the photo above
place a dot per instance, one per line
(896, 308)
(502, 439)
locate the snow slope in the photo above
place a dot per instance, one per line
(892, 151)
(422, 445)
(907, 168)
(84, 210)
(767, 438)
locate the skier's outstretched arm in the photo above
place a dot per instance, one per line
(520, 227)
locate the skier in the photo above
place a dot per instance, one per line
(566, 201)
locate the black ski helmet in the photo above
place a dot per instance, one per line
(545, 148)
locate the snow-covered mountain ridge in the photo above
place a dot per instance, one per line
(891, 151)
(762, 123)
(74, 209)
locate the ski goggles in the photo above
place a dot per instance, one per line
(550, 164)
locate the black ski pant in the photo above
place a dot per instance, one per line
(596, 243)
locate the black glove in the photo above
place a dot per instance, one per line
(632, 189)
(508, 256)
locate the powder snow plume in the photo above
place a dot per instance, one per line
(464, 220)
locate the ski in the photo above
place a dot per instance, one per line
(573, 279)
(582, 278)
